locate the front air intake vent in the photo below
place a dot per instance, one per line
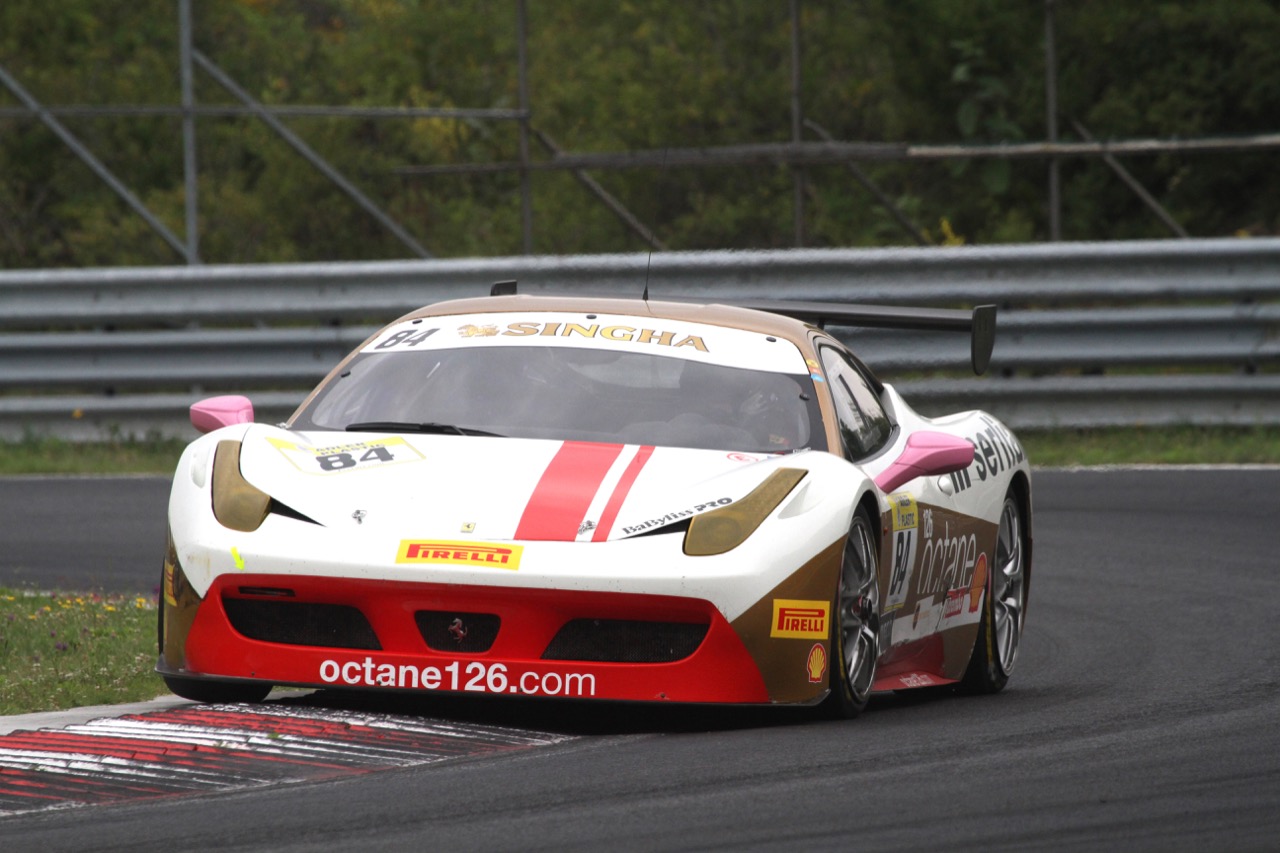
(625, 641)
(299, 623)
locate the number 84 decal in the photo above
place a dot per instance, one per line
(906, 525)
(346, 457)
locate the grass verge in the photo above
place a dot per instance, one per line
(1179, 445)
(34, 455)
(65, 650)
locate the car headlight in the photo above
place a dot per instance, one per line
(236, 504)
(726, 528)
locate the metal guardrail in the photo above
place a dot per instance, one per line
(1086, 331)
(1028, 340)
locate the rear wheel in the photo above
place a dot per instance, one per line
(855, 635)
(199, 690)
(1000, 633)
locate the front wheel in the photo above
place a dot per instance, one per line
(216, 692)
(855, 628)
(1000, 633)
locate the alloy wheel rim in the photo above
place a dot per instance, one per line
(1009, 586)
(859, 601)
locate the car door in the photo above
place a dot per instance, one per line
(932, 556)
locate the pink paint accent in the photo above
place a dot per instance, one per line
(926, 454)
(215, 412)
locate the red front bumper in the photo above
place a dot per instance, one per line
(393, 652)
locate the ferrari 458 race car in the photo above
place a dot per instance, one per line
(600, 498)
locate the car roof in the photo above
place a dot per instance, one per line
(713, 314)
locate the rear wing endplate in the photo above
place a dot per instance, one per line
(980, 322)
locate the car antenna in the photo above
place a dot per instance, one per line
(649, 264)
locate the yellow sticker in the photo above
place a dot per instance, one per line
(795, 619)
(348, 456)
(906, 514)
(486, 555)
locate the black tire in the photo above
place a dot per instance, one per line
(855, 623)
(1004, 606)
(218, 692)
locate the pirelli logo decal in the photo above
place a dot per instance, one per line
(800, 620)
(482, 554)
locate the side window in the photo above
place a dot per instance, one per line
(864, 426)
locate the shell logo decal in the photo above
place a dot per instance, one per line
(817, 663)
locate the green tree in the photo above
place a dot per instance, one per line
(654, 75)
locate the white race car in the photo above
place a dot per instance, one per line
(598, 498)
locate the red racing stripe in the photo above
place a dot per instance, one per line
(619, 495)
(562, 497)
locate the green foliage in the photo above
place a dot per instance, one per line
(1173, 70)
(68, 650)
(605, 77)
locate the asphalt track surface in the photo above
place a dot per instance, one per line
(1144, 713)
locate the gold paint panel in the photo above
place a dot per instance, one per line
(784, 662)
(180, 604)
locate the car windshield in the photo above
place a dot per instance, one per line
(570, 393)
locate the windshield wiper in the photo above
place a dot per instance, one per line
(410, 426)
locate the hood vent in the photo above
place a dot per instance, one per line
(289, 512)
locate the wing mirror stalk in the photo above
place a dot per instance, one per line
(926, 454)
(215, 412)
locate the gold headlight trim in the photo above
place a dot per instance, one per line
(726, 528)
(236, 504)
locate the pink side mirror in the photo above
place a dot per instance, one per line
(926, 454)
(208, 415)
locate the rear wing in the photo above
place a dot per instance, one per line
(980, 322)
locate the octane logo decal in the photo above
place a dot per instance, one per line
(799, 620)
(483, 554)
(947, 562)
(475, 676)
